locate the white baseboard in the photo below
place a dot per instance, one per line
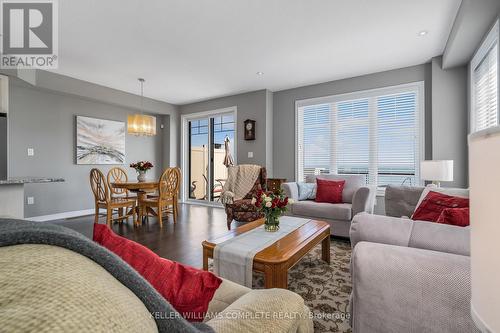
(61, 216)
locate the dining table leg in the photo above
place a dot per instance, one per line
(140, 197)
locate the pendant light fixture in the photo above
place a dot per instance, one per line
(141, 124)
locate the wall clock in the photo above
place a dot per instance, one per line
(249, 129)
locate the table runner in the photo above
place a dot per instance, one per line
(233, 259)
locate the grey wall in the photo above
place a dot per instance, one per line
(3, 147)
(269, 133)
(252, 105)
(45, 120)
(284, 109)
(473, 21)
(450, 119)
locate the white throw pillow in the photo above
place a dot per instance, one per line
(307, 191)
(456, 192)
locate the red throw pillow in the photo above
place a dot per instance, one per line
(329, 190)
(455, 216)
(188, 289)
(434, 203)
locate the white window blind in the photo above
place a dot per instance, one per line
(352, 137)
(484, 81)
(373, 133)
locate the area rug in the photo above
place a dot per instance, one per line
(325, 288)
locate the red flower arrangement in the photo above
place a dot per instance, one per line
(273, 205)
(141, 166)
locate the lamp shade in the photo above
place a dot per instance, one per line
(484, 178)
(141, 124)
(437, 170)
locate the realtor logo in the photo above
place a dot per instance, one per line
(29, 34)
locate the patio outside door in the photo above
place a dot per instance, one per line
(206, 152)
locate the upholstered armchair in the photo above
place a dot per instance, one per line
(242, 210)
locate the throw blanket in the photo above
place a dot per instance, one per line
(233, 259)
(14, 232)
(240, 180)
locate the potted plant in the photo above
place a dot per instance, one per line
(273, 205)
(141, 167)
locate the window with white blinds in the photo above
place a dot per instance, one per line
(375, 133)
(484, 67)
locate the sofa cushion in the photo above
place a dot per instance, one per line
(434, 203)
(456, 192)
(352, 183)
(401, 200)
(309, 208)
(455, 216)
(270, 310)
(188, 289)
(329, 190)
(306, 191)
(227, 293)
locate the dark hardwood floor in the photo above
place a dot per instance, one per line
(180, 242)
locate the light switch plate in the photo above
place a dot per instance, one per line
(30, 200)
(250, 154)
(31, 152)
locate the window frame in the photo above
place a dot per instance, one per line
(418, 87)
(492, 37)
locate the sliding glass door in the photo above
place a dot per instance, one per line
(210, 140)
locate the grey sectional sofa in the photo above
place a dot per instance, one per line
(356, 197)
(409, 276)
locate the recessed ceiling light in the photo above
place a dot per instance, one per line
(423, 33)
(260, 73)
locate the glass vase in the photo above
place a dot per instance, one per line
(272, 223)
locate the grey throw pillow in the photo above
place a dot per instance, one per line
(307, 191)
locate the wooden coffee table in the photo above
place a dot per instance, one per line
(275, 260)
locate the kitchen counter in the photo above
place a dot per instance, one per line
(30, 180)
(12, 198)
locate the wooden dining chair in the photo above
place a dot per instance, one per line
(103, 199)
(117, 175)
(168, 194)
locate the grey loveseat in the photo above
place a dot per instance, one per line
(356, 197)
(409, 276)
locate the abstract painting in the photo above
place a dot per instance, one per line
(99, 141)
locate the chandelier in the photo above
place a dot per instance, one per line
(141, 124)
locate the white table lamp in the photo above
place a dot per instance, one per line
(437, 171)
(484, 163)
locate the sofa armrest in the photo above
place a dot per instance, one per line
(264, 310)
(406, 232)
(363, 200)
(398, 289)
(291, 190)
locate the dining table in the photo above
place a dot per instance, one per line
(141, 189)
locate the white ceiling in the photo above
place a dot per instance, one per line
(191, 50)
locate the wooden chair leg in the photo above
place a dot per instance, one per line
(96, 217)
(160, 216)
(120, 214)
(109, 216)
(174, 210)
